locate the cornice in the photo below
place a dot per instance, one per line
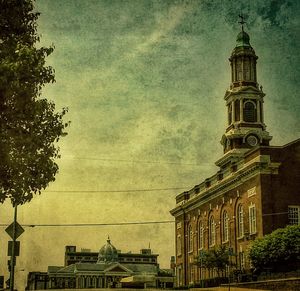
(229, 183)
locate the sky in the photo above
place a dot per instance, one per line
(144, 82)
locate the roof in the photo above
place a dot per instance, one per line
(54, 269)
(105, 267)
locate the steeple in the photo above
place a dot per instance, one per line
(244, 100)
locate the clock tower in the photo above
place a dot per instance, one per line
(244, 101)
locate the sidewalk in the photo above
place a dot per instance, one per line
(231, 289)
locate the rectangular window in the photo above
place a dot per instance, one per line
(178, 245)
(191, 273)
(242, 260)
(179, 277)
(252, 219)
(294, 215)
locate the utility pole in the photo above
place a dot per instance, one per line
(13, 257)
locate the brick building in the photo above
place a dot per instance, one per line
(256, 189)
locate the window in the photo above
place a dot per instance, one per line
(249, 111)
(179, 279)
(190, 239)
(252, 219)
(246, 67)
(225, 228)
(294, 215)
(240, 220)
(212, 231)
(242, 260)
(239, 70)
(178, 245)
(191, 273)
(200, 235)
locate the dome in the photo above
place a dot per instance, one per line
(108, 253)
(243, 39)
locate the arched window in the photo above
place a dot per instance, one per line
(212, 231)
(200, 235)
(240, 220)
(190, 239)
(225, 226)
(249, 112)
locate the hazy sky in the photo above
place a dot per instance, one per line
(144, 83)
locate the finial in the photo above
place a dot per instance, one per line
(149, 246)
(242, 22)
(108, 239)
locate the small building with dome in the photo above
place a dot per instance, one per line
(108, 268)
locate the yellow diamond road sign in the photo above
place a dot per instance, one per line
(10, 230)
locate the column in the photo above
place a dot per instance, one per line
(241, 110)
(258, 111)
(233, 111)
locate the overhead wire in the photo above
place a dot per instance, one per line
(115, 191)
(95, 224)
(136, 161)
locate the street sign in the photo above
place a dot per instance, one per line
(10, 230)
(17, 248)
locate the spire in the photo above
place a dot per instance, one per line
(242, 22)
(244, 100)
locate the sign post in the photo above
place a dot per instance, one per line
(14, 230)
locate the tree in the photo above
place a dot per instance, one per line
(217, 258)
(278, 251)
(29, 124)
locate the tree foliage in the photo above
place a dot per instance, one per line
(216, 258)
(29, 124)
(279, 250)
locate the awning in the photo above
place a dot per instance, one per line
(139, 279)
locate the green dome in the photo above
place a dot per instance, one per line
(108, 253)
(243, 39)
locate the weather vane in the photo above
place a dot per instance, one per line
(242, 22)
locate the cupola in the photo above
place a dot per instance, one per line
(108, 253)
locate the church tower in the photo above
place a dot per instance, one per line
(244, 101)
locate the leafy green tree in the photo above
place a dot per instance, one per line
(29, 124)
(279, 251)
(217, 258)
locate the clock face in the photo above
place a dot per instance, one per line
(252, 140)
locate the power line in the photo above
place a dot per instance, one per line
(113, 191)
(136, 161)
(96, 224)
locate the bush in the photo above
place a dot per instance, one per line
(278, 251)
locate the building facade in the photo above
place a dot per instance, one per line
(108, 268)
(256, 189)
